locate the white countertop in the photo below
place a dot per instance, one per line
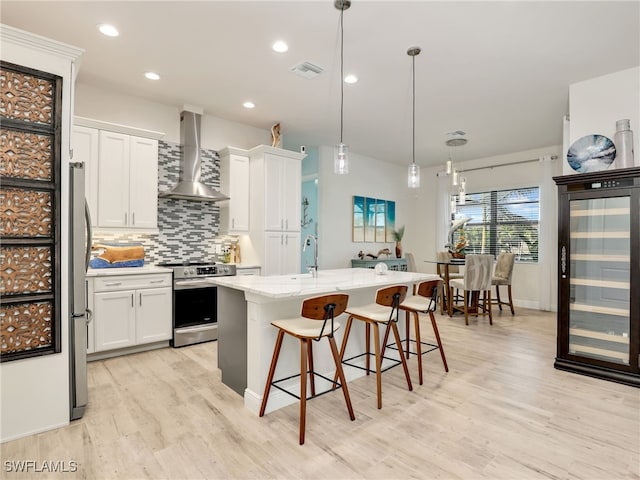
(327, 281)
(147, 269)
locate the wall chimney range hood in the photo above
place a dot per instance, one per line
(189, 186)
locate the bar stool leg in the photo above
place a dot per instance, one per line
(343, 347)
(303, 387)
(367, 341)
(407, 331)
(376, 341)
(513, 312)
(416, 320)
(437, 334)
(272, 371)
(498, 297)
(311, 370)
(340, 374)
(394, 327)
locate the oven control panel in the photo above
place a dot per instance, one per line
(203, 270)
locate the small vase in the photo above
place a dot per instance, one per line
(398, 250)
(623, 140)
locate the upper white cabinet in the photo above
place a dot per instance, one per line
(275, 200)
(122, 174)
(234, 183)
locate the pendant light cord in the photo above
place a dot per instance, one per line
(341, 70)
(414, 110)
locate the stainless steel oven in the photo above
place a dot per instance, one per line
(195, 301)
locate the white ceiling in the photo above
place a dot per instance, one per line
(498, 70)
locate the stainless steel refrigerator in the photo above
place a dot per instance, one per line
(80, 236)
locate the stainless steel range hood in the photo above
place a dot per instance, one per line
(189, 186)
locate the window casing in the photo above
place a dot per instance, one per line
(501, 221)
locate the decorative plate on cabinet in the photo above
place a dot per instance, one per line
(591, 153)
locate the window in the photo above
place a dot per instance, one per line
(501, 221)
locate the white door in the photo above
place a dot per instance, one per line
(290, 258)
(86, 149)
(114, 320)
(239, 194)
(274, 219)
(153, 320)
(113, 172)
(291, 194)
(273, 244)
(143, 170)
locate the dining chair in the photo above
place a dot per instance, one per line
(384, 311)
(502, 276)
(476, 281)
(411, 262)
(315, 322)
(447, 272)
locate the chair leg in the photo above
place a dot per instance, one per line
(489, 306)
(394, 327)
(272, 371)
(376, 342)
(466, 307)
(303, 387)
(511, 300)
(416, 320)
(407, 331)
(367, 341)
(340, 374)
(450, 302)
(312, 380)
(343, 346)
(438, 341)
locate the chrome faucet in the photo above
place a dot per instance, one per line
(313, 269)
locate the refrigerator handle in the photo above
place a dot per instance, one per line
(87, 216)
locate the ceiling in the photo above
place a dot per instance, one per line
(500, 71)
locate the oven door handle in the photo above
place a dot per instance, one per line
(186, 284)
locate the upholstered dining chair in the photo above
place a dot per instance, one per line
(447, 273)
(411, 262)
(476, 281)
(502, 276)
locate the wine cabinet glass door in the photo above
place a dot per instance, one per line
(600, 279)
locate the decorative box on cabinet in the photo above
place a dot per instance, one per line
(122, 173)
(599, 274)
(234, 183)
(129, 310)
(399, 264)
(275, 202)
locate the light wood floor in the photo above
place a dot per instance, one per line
(502, 412)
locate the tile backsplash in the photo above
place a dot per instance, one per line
(187, 230)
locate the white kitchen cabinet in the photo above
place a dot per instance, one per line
(234, 183)
(275, 201)
(121, 173)
(129, 310)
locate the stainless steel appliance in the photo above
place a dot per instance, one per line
(80, 316)
(195, 301)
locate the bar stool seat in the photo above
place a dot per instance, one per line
(424, 301)
(308, 328)
(384, 311)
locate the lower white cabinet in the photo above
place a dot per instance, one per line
(282, 253)
(129, 310)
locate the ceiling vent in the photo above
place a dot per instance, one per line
(307, 70)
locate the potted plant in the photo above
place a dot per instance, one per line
(397, 236)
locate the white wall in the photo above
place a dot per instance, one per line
(595, 105)
(530, 281)
(367, 177)
(35, 391)
(109, 106)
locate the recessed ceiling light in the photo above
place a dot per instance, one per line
(280, 47)
(350, 79)
(248, 104)
(108, 30)
(152, 76)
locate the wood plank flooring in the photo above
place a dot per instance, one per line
(502, 412)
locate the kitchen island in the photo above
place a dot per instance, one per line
(247, 305)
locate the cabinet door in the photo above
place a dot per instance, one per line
(273, 242)
(290, 256)
(291, 194)
(143, 171)
(113, 172)
(153, 317)
(274, 218)
(114, 320)
(86, 149)
(599, 268)
(239, 194)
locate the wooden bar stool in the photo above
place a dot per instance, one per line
(307, 328)
(384, 311)
(424, 301)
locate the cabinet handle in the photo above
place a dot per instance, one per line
(281, 240)
(233, 223)
(132, 300)
(133, 218)
(563, 261)
(286, 224)
(281, 224)
(140, 298)
(156, 281)
(125, 218)
(113, 284)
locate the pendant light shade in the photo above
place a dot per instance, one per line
(341, 155)
(413, 177)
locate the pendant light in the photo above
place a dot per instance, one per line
(413, 179)
(341, 155)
